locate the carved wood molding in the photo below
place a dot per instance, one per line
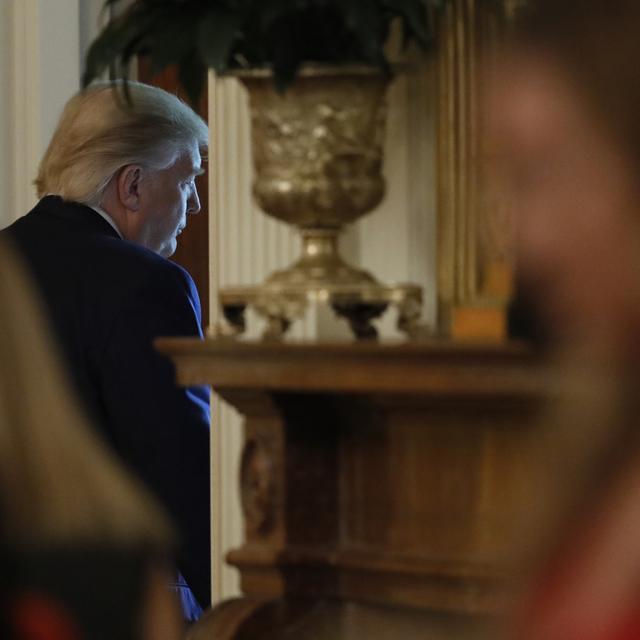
(378, 475)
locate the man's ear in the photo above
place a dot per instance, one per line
(129, 186)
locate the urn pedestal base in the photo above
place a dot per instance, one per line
(322, 276)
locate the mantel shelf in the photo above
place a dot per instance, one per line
(442, 368)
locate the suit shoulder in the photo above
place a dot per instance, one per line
(164, 269)
(145, 262)
(160, 278)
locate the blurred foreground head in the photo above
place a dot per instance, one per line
(83, 548)
(564, 107)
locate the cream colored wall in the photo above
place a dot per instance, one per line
(397, 242)
(41, 52)
(5, 112)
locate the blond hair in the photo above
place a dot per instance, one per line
(99, 133)
(57, 483)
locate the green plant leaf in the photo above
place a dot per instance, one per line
(173, 38)
(217, 34)
(285, 58)
(117, 36)
(364, 19)
(414, 15)
(281, 34)
(269, 12)
(192, 75)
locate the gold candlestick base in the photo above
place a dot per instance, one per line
(322, 276)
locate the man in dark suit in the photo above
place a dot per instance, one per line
(117, 185)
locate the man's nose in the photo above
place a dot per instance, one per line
(193, 205)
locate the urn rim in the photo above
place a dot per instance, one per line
(314, 70)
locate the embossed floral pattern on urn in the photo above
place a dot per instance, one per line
(318, 149)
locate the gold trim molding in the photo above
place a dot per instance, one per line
(474, 240)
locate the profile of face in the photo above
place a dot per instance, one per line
(573, 196)
(158, 202)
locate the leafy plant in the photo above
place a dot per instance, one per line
(278, 34)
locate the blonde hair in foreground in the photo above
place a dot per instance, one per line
(57, 483)
(99, 133)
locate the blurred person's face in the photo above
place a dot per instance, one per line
(574, 200)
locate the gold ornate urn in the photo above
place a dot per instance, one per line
(317, 153)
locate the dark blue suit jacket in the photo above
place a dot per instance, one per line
(109, 299)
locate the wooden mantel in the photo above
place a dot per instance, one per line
(378, 483)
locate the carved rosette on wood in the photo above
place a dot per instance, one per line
(257, 485)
